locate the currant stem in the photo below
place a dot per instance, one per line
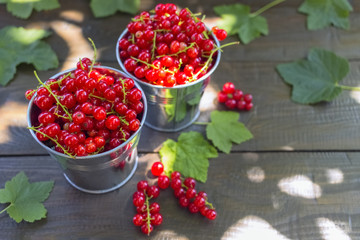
(95, 96)
(349, 88)
(56, 99)
(153, 47)
(54, 140)
(93, 61)
(266, 7)
(2, 211)
(148, 219)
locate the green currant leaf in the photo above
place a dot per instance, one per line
(236, 18)
(106, 8)
(24, 8)
(323, 13)
(189, 155)
(225, 129)
(25, 198)
(18, 45)
(315, 79)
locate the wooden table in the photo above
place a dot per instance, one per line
(299, 178)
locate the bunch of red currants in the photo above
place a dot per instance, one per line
(170, 47)
(86, 111)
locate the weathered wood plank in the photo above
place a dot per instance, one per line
(288, 37)
(276, 122)
(283, 195)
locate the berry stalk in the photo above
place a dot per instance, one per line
(266, 7)
(55, 97)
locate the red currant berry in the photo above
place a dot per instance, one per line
(175, 183)
(222, 97)
(153, 191)
(112, 122)
(199, 201)
(163, 181)
(138, 220)
(230, 103)
(78, 117)
(175, 175)
(237, 94)
(211, 214)
(229, 87)
(157, 168)
(156, 219)
(99, 113)
(190, 182)
(154, 208)
(241, 105)
(193, 208)
(147, 229)
(142, 185)
(183, 201)
(221, 34)
(190, 193)
(179, 192)
(248, 98)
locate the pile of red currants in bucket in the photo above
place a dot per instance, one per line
(86, 111)
(171, 47)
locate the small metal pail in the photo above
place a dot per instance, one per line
(171, 109)
(99, 173)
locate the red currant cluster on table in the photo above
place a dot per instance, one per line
(86, 111)
(189, 198)
(234, 98)
(170, 47)
(148, 214)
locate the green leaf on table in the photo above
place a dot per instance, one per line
(316, 78)
(101, 8)
(189, 155)
(19, 45)
(237, 19)
(225, 129)
(323, 13)
(24, 8)
(25, 198)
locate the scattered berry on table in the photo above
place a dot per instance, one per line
(235, 98)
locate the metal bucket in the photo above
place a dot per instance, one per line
(100, 173)
(171, 109)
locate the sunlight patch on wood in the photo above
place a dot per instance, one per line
(168, 234)
(250, 228)
(330, 230)
(256, 174)
(355, 95)
(13, 114)
(207, 100)
(72, 15)
(211, 21)
(78, 45)
(287, 148)
(334, 176)
(300, 186)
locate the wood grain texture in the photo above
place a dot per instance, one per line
(276, 122)
(288, 37)
(283, 195)
(297, 179)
